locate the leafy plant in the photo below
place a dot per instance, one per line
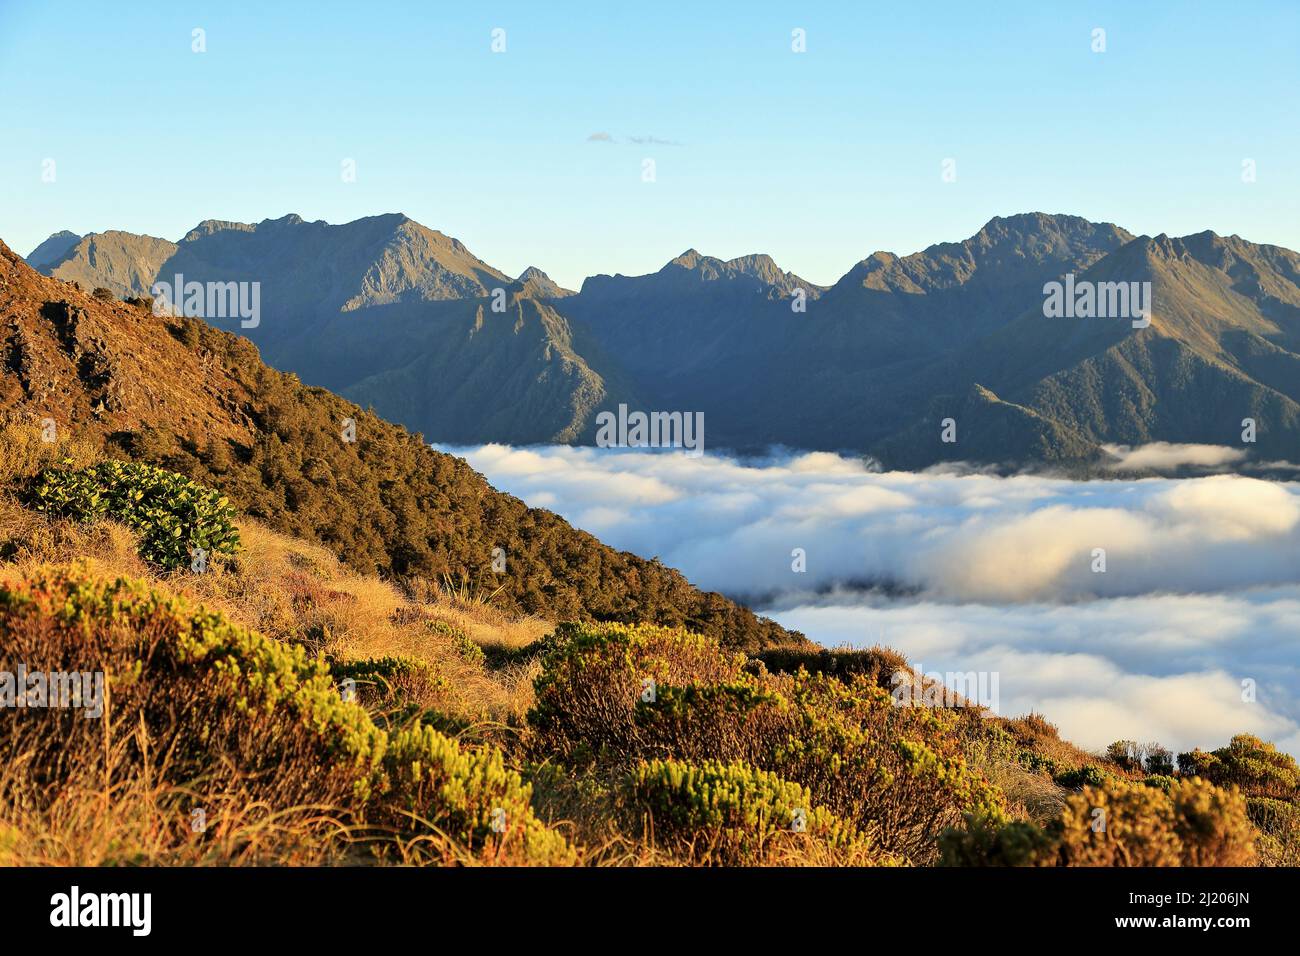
(173, 515)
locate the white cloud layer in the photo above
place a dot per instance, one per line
(976, 572)
(1165, 456)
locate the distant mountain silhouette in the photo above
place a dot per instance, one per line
(403, 318)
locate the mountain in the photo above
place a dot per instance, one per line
(400, 317)
(178, 393)
(536, 284)
(53, 249)
(392, 314)
(122, 262)
(1223, 345)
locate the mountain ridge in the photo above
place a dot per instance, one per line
(395, 317)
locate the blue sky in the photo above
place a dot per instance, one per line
(817, 158)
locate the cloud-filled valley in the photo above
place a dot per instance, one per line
(968, 571)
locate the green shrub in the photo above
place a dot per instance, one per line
(431, 783)
(1038, 763)
(877, 663)
(1119, 824)
(732, 813)
(229, 708)
(732, 721)
(985, 842)
(1160, 782)
(464, 646)
(172, 514)
(1258, 768)
(402, 685)
(1089, 775)
(895, 772)
(594, 675)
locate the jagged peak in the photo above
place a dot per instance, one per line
(690, 259)
(534, 283)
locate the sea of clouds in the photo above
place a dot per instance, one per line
(967, 571)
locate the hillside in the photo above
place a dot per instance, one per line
(199, 401)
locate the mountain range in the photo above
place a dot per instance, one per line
(406, 320)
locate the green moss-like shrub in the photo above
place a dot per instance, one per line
(732, 813)
(432, 783)
(1089, 775)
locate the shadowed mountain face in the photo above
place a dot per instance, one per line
(175, 392)
(53, 250)
(400, 317)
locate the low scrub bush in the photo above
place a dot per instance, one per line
(1089, 775)
(614, 695)
(733, 721)
(387, 684)
(594, 675)
(877, 663)
(431, 784)
(735, 814)
(1258, 768)
(1194, 823)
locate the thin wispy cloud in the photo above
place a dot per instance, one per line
(653, 141)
